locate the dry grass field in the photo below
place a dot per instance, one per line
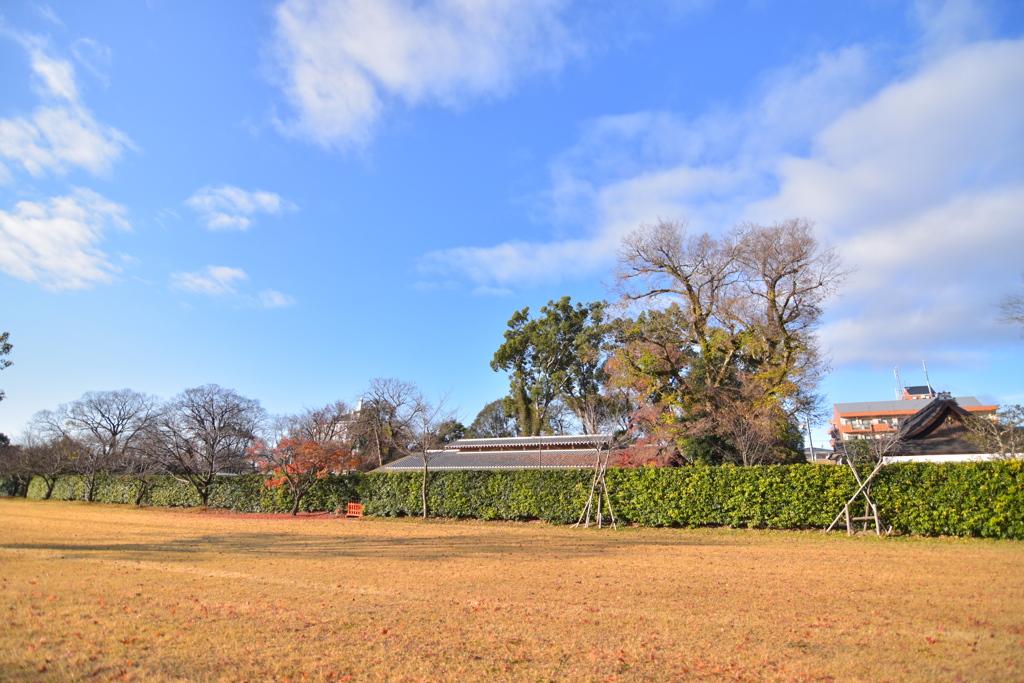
(107, 592)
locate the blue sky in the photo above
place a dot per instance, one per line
(291, 198)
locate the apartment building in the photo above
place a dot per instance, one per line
(872, 419)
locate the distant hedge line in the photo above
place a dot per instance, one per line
(954, 499)
(244, 493)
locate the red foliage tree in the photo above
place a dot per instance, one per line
(299, 462)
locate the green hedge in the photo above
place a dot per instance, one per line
(954, 499)
(555, 496)
(244, 493)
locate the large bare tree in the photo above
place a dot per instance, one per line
(386, 418)
(724, 315)
(205, 432)
(107, 426)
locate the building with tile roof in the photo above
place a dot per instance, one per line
(513, 453)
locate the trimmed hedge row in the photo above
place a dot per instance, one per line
(954, 499)
(555, 496)
(244, 493)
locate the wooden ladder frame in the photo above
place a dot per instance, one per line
(598, 485)
(870, 508)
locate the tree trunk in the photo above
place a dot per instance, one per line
(423, 491)
(50, 483)
(143, 485)
(296, 497)
(91, 488)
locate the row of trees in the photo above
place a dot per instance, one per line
(709, 355)
(208, 431)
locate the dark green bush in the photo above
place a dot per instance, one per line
(955, 499)
(9, 486)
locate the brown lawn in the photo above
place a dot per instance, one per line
(110, 592)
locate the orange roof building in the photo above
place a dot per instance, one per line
(873, 419)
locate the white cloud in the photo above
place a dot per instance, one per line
(631, 169)
(212, 280)
(62, 133)
(918, 181)
(232, 208)
(923, 189)
(220, 281)
(271, 299)
(342, 63)
(55, 139)
(54, 242)
(55, 77)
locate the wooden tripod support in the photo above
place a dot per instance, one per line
(598, 486)
(870, 508)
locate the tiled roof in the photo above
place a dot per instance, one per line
(935, 412)
(525, 442)
(496, 460)
(902, 405)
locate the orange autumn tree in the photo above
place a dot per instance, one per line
(299, 462)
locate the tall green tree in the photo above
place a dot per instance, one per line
(557, 355)
(492, 422)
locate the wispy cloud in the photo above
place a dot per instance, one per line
(54, 242)
(212, 280)
(222, 282)
(47, 13)
(630, 169)
(343, 63)
(94, 56)
(232, 208)
(271, 299)
(61, 134)
(918, 181)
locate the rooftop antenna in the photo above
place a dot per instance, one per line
(899, 384)
(926, 380)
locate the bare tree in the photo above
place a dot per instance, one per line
(205, 432)
(728, 313)
(385, 421)
(108, 425)
(15, 467)
(787, 272)
(1001, 434)
(331, 423)
(1012, 308)
(47, 459)
(428, 422)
